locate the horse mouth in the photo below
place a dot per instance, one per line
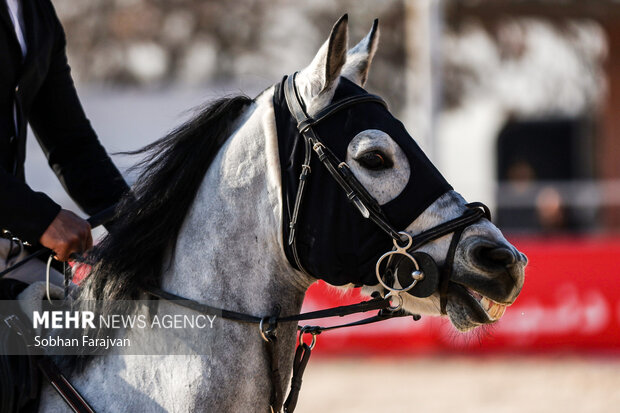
(468, 308)
(492, 309)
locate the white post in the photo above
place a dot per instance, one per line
(423, 20)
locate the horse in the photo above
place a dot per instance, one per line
(211, 219)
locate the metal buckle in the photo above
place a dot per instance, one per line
(270, 332)
(308, 330)
(392, 295)
(318, 148)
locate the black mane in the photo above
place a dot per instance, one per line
(148, 220)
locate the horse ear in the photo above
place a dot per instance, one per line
(321, 76)
(359, 58)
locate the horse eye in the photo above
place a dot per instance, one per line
(375, 161)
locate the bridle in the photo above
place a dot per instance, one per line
(404, 248)
(404, 244)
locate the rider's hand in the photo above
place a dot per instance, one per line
(67, 234)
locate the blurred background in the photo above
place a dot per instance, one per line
(516, 101)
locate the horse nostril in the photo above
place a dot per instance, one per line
(495, 256)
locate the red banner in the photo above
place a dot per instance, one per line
(570, 302)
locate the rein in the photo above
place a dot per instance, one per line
(270, 322)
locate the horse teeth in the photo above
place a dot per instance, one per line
(494, 310)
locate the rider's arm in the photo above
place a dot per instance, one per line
(24, 212)
(67, 138)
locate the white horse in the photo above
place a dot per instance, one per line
(218, 240)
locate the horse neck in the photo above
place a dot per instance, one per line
(230, 255)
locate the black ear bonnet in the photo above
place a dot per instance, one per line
(335, 242)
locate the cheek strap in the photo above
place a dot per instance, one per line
(447, 269)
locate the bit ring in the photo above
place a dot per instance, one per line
(417, 274)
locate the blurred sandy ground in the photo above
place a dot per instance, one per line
(495, 384)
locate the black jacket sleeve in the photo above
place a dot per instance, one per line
(24, 212)
(70, 143)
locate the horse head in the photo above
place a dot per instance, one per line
(472, 281)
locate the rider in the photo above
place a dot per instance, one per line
(36, 88)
